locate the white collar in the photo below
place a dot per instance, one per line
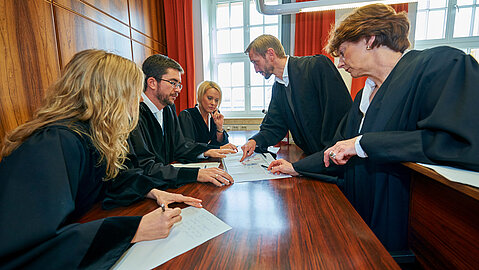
(285, 80)
(150, 104)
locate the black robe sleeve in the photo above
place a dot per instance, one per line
(187, 125)
(195, 130)
(446, 130)
(40, 185)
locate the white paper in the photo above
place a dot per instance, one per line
(197, 226)
(253, 168)
(273, 149)
(456, 175)
(201, 165)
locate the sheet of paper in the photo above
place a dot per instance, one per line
(273, 149)
(456, 175)
(201, 165)
(253, 168)
(197, 226)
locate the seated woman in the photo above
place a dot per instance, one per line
(416, 106)
(54, 168)
(204, 123)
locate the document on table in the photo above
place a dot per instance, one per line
(456, 175)
(201, 165)
(197, 226)
(253, 168)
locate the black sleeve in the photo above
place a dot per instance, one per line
(187, 125)
(273, 127)
(39, 185)
(446, 132)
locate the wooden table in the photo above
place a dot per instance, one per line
(295, 223)
(443, 221)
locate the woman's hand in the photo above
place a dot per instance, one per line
(340, 153)
(156, 224)
(165, 198)
(282, 166)
(215, 176)
(219, 119)
(229, 146)
(218, 153)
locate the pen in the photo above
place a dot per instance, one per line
(163, 207)
(264, 166)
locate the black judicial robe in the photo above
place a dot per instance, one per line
(320, 100)
(425, 111)
(46, 184)
(194, 128)
(151, 150)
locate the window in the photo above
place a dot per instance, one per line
(448, 22)
(234, 24)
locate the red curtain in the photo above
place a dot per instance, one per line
(179, 45)
(358, 83)
(311, 34)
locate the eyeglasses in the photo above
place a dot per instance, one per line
(174, 84)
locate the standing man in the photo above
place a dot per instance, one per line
(158, 141)
(309, 97)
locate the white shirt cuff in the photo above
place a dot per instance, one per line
(201, 156)
(359, 150)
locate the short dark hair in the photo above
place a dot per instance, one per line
(157, 65)
(389, 28)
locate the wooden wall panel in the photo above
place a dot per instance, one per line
(116, 8)
(38, 37)
(146, 17)
(28, 59)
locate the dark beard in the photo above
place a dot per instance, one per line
(164, 99)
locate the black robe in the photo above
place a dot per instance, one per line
(47, 183)
(195, 129)
(320, 100)
(150, 153)
(425, 111)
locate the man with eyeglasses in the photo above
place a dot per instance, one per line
(158, 141)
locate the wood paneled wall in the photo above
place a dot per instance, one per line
(38, 37)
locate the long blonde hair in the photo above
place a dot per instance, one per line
(100, 88)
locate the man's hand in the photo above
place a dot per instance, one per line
(340, 153)
(165, 198)
(218, 153)
(282, 166)
(248, 149)
(215, 176)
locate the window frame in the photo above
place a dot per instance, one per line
(215, 59)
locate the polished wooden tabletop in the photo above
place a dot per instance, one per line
(293, 223)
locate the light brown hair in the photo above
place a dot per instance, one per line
(96, 87)
(205, 85)
(261, 44)
(389, 28)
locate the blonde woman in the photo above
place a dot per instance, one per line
(54, 167)
(204, 123)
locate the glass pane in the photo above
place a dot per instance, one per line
(462, 23)
(254, 16)
(224, 74)
(237, 96)
(475, 53)
(237, 44)
(222, 16)
(435, 26)
(226, 99)
(271, 19)
(237, 74)
(421, 21)
(267, 95)
(422, 4)
(223, 41)
(272, 30)
(257, 98)
(255, 32)
(255, 78)
(464, 2)
(437, 3)
(475, 32)
(236, 14)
